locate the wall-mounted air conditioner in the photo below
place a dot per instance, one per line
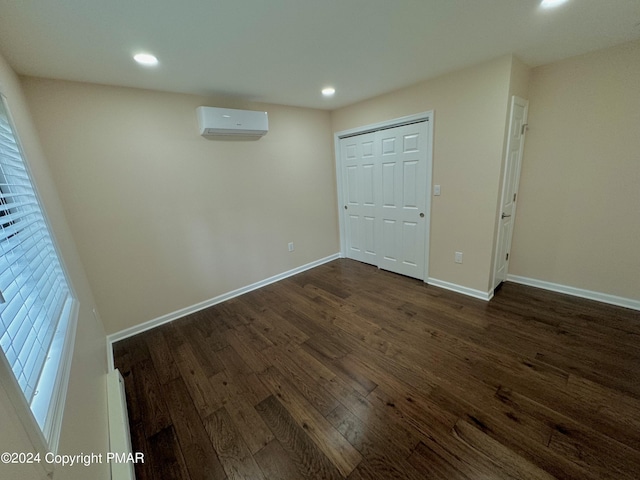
(214, 121)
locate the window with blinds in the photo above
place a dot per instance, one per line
(35, 299)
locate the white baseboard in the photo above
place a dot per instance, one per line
(470, 292)
(577, 292)
(169, 317)
(119, 434)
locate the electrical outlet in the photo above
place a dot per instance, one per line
(291, 249)
(458, 257)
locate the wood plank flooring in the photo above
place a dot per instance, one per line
(347, 371)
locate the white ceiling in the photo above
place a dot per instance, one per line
(285, 51)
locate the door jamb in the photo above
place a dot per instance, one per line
(427, 117)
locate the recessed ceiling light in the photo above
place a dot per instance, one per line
(551, 3)
(328, 92)
(146, 59)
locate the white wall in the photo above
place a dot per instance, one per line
(164, 218)
(470, 108)
(84, 427)
(578, 219)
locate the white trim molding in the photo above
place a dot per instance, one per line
(470, 292)
(169, 317)
(119, 434)
(577, 292)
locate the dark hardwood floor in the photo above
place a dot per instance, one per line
(347, 371)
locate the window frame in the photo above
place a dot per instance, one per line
(47, 438)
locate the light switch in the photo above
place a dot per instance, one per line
(436, 190)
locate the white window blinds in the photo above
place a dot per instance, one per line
(34, 295)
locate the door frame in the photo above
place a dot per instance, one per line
(525, 103)
(426, 117)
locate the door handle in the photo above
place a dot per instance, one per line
(505, 216)
(421, 215)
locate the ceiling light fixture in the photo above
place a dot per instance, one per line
(146, 59)
(551, 3)
(328, 92)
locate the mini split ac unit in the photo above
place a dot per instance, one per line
(215, 121)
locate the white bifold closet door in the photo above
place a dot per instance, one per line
(384, 176)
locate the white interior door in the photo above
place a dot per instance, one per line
(385, 185)
(403, 199)
(360, 174)
(515, 146)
